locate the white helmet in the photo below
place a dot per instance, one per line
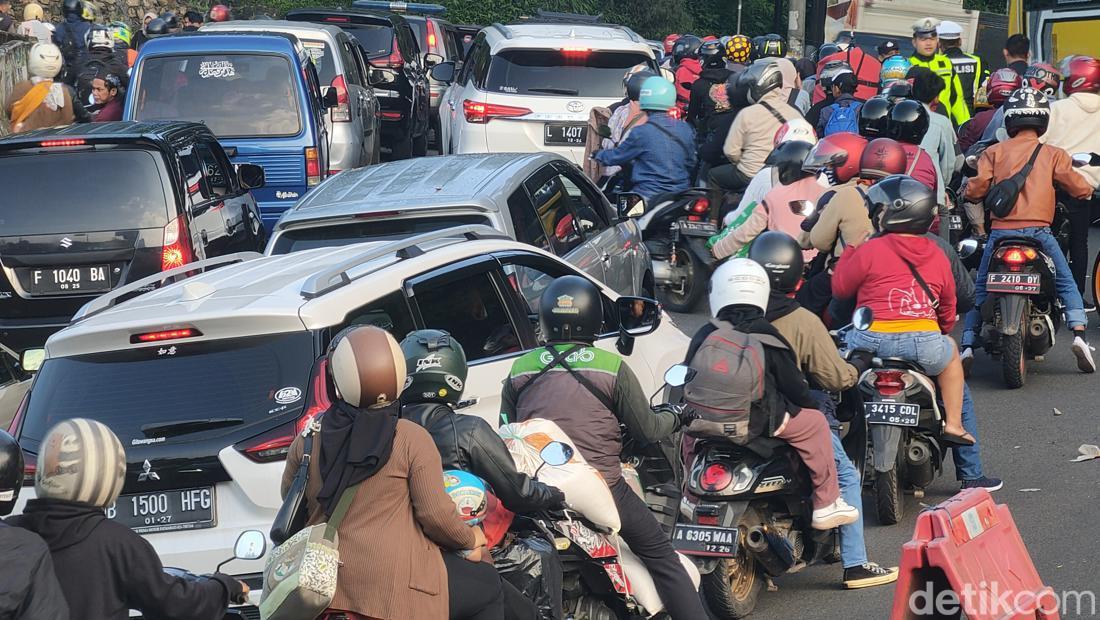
(739, 281)
(795, 129)
(45, 61)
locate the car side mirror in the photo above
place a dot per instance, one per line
(432, 60)
(330, 99)
(380, 77)
(251, 176)
(31, 359)
(443, 72)
(638, 316)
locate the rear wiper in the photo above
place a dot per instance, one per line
(555, 91)
(183, 427)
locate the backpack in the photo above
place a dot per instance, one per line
(729, 380)
(844, 118)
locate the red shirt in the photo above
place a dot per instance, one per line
(924, 169)
(686, 74)
(875, 274)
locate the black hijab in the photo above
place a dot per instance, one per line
(779, 306)
(355, 444)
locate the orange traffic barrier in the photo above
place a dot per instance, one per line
(966, 554)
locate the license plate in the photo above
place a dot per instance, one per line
(87, 279)
(956, 222)
(1024, 283)
(565, 134)
(894, 414)
(702, 229)
(165, 511)
(719, 542)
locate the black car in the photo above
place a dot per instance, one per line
(389, 45)
(90, 207)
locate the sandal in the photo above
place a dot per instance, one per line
(957, 440)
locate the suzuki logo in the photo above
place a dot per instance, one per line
(575, 106)
(147, 472)
(66, 242)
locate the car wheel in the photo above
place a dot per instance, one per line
(420, 145)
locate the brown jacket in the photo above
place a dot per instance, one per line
(844, 222)
(43, 116)
(752, 135)
(390, 539)
(815, 350)
(1035, 205)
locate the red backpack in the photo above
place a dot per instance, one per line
(866, 67)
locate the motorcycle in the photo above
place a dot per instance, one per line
(250, 545)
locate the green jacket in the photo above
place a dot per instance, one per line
(952, 97)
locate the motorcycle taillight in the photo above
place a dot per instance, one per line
(715, 477)
(889, 382)
(1015, 256)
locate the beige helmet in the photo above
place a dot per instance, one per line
(32, 11)
(44, 61)
(367, 366)
(80, 460)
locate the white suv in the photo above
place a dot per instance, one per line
(530, 86)
(207, 380)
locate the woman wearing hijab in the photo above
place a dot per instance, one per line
(400, 516)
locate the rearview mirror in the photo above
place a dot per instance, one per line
(251, 176)
(668, 75)
(805, 208)
(967, 248)
(556, 453)
(679, 375)
(432, 60)
(443, 72)
(251, 545)
(330, 99)
(380, 77)
(638, 316)
(31, 359)
(1086, 159)
(862, 318)
(631, 204)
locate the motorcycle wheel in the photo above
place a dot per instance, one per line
(695, 282)
(592, 608)
(889, 501)
(1013, 362)
(732, 588)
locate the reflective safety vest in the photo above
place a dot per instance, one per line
(970, 71)
(952, 97)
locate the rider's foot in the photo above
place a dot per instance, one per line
(1083, 351)
(989, 484)
(956, 436)
(870, 574)
(834, 515)
(1090, 306)
(967, 359)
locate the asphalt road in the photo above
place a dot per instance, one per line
(1055, 503)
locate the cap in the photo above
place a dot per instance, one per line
(887, 46)
(949, 30)
(925, 27)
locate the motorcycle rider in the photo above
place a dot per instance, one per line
(926, 54)
(588, 392)
(844, 107)
(998, 87)
(70, 36)
(738, 53)
(939, 141)
(908, 124)
(714, 71)
(795, 130)
(874, 117)
(825, 78)
(1027, 114)
(30, 590)
(685, 53)
(104, 567)
(625, 115)
(894, 69)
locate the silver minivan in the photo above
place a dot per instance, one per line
(537, 198)
(353, 122)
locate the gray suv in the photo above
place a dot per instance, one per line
(536, 198)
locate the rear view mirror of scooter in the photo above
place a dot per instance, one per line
(679, 375)
(805, 208)
(251, 545)
(967, 248)
(556, 453)
(862, 318)
(1081, 160)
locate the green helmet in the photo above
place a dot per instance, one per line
(658, 94)
(436, 366)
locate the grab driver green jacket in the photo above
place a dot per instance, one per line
(591, 420)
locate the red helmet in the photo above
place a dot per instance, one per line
(1043, 77)
(1000, 85)
(1083, 76)
(219, 13)
(881, 158)
(838, 154)
(670, 40)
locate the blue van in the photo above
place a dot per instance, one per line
(257, 92)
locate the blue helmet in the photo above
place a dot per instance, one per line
(894, 68)
(658, 94)
(469, 493)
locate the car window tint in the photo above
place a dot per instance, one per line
(527, 227)
(479, 61)
(471, 309)
(391, 313)
(352, 65)
(193, 178)
(566, 73)
(586, 206)
(217, 177)
(449, 43)
(323, 58)
(552, 206)
(529, 275)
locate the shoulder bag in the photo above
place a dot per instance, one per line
(292, 515)
(1001, 199)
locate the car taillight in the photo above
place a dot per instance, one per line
(715, 477)
(478, 112)
(341, 112)
(393, 61)
(168, 334)
(432, 40)
(388, 115)
(274, 444)
(176, 250)
(313, 166)
(707, 519)
(889, 382)
(30, 466)
(700, 206)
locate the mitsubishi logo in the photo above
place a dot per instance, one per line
(66, 242)
(575, 106)
(147, 472)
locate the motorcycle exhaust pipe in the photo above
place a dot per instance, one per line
(662, 272)
(1037, 328)
(762, 545)
(918, 459)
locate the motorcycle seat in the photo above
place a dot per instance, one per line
(899, 362)
(668, 197)
(766, 447)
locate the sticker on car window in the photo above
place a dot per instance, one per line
(288, 395)
(218, 69)
(316, 50)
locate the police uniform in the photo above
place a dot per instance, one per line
(952, 97)
(967, 67)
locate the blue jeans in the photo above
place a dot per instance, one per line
(853, 550)
(968, 459)
(932, 350)
(1063, 280)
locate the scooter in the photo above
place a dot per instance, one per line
(250, 545)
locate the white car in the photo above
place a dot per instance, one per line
(206, 381)
(530, 86)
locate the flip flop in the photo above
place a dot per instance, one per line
(957, 440)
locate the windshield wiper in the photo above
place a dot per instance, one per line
(183, 427)
(555, 91)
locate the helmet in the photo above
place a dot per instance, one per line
(712, 54)
(633, 83)
(832, 69)
(769, 46)
(219, 13)
(908, 121)
(1026, 108)
(157, 28)
(736, 282)
(899, 91)
(657, 94)
(761, 78)
(1000, 85)
(907, 205)
(881, 158)
(570, 309)
(1043, 77)
(669, 42)
(80, 460)
(787, 159)
(838, 154)
(170, 20)
(99, 37)
(11, 472)
(32, 11)
(44, 61)
(121, 32)
(781, 257)
(89, 12)
(469, 493)
(894, 68)
(739, 49)
(873, 117)
(1083, 76)
(366, 366)
(436, 365)
(827, 49)
(72, 7)
(686, 46)
(795, 129)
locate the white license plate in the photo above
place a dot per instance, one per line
(165, 511)
(720, 542)
(894, 414)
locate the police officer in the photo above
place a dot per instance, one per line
(926, 54)
(972, 73)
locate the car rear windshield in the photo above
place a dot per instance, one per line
(568, 73)
(236, 95)
(322, 59)
(259, 380)
(82, 191)
(368, 230)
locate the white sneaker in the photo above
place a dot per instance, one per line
(834, 515)
(967, 359)
(1084, 355)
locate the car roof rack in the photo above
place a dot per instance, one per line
(337, 276)
(109, 300)
(504, 30)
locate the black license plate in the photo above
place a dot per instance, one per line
(699, 229)
(718, 542)
(894, 414)
(955, 223)
(85, 279)
(1023, 283)
(565, 134)
(165, 511)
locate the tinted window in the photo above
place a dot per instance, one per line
(323, 59)
(572, 74)
(527, 227)
(376, 40)
(217, 177)
(478, 65)
(552, 206)
(471, 309)
(586, 204)
(82, 191)
(373, 230)
(420, 31)
(234, 94)
(391, 313)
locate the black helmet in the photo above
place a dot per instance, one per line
(761, 78)
(436, 365)
(1026, 108)
(156, 28)
(72, 7)
(832, 69)
(899, 91)
(827, 49)
(11, 472)
(810, 53)
(769, 46)
(170, 20)
(908, 122)
(633, 83)
(570, 309)
(781, 256)
(874, 116)
(712, 54)
(737, 92)
(907, 205)
(686, 46)
(787, 159)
